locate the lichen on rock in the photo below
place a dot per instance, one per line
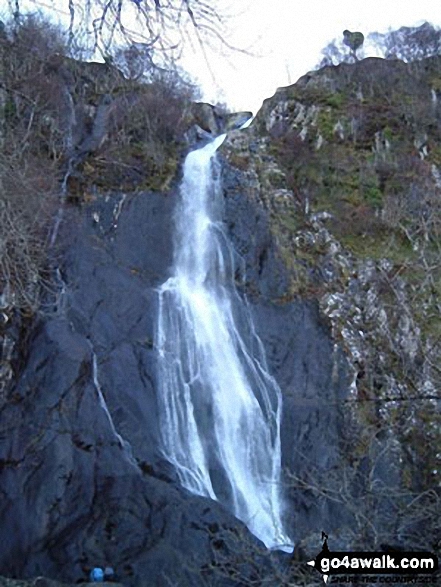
(344, 164)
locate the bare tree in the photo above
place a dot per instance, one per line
(161, 25)
(409, 43)
(32, 143)
(334, 53)
(377, 510)
(56, 112)
(406, 43)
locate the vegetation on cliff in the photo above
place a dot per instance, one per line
(346, 164)
(83, 124)
(162, 27)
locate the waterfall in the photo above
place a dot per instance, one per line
(124, 444)
(219, 408)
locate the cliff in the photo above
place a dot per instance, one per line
(341, 173)
(331, 200)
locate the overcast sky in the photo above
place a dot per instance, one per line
(286, 38)
(289, 35)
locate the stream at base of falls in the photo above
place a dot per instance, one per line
(220, 409)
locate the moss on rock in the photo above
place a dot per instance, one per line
(358, 228)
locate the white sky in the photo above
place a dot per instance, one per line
(286, 37)
(289, 35)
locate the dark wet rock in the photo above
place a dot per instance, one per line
(45, 582)
(235, 120)
(84, 483)
(214, 120)
(79, 489)
(205, 116)
(318, 173)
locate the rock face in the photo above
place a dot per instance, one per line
(83, 481)
(339, 179)
(82, 489)
(214, 121)
(83, 484)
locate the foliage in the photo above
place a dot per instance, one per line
(30, 147)
(135, 61)
(26, 203)
(376, 508)
(79, 122)
(354, 41)
(146, 127)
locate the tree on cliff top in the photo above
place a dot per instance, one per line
(406, 43)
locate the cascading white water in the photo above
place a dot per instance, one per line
(220, 409)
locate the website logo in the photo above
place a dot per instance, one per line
(372, 563)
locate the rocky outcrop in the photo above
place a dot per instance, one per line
(83, 412)
(309, 193)
(83, 481)
(339, 175)
(214, 120)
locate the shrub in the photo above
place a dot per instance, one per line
(49, 105)
(31, 141)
